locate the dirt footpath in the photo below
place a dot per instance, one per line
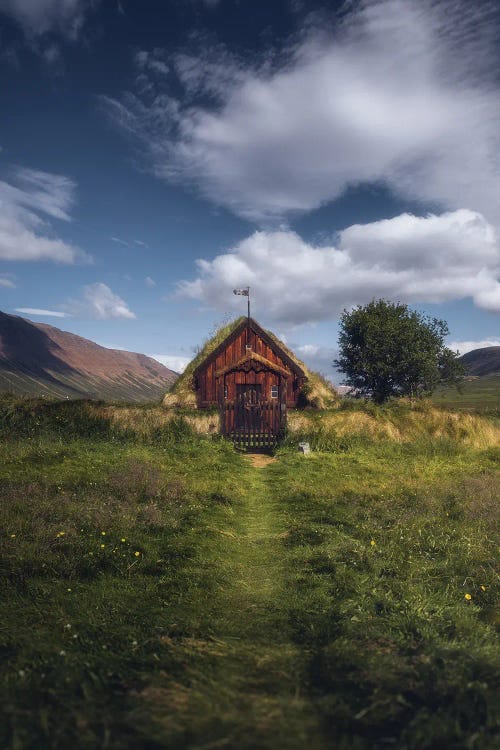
(260, 460)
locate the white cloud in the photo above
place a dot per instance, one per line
(119, 241)
(38, 17)
(172, 361)
(25, 235)
(398, 92)
(7, 280)
(408, 258)
(153, 62)
(43, 192)
(38, 311)
(99, 301)
(141, 243)
(149, 281)
(467, 346)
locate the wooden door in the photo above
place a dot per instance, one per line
(248, 411)
(252, 415)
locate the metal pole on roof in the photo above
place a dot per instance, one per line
(245, 292)
(248, 321)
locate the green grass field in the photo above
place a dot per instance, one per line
(159, 591)
(477, 394)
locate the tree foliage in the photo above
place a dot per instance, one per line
(387, 350)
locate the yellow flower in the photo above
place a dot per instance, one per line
(137, 554)
(468, 597)
(61, 533)
(373, 543)
(124, 540)
(103, 533)
(483, 588)
(68, 589)
(102, 546)
(12, 536)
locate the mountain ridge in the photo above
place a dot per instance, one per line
(38, 359)
(482, 362)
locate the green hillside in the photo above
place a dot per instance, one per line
(477, 394)
(126, 387)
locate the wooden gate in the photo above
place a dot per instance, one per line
(251, 422)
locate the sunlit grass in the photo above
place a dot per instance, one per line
(157, 591)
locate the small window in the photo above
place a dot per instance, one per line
(225, 391)
(274, 391)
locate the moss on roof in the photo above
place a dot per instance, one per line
(318, 391)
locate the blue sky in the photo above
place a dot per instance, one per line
(156, 155)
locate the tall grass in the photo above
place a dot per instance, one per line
(338, 430)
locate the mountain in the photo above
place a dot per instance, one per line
(37, 359)
(482, 362)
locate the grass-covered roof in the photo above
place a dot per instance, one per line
(318, 391)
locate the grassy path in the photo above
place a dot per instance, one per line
(244, 689)
(172, 595)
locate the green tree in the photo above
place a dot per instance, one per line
(387, 350)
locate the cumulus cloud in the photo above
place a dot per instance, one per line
(25, 202)
(38, 17)
(399, 92)
(40, 312)
(467, 346)
(174, 362)
(100, 302)
(413, 259)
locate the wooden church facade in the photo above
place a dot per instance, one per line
(252, 380)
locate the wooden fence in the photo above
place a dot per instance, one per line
(254, 428)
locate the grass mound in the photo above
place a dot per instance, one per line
(399, 423)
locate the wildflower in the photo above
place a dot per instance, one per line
(103, 533)
(102, 546)
(137, 554)
(12, 536)
(373, 543)
(62, 653)
(123, 540)
(468, 597)
(68, 589)
(483, 588)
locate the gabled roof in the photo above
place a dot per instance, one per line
(273, 343)
(182, 393)
(252, 357)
